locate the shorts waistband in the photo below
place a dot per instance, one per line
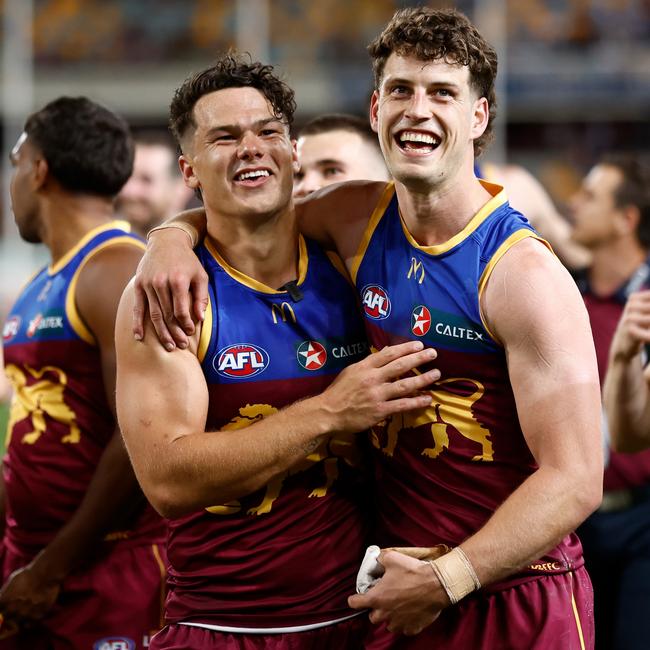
(269, 630)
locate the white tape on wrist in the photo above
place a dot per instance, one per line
(456, 574)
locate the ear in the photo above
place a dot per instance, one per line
(630, 218)
(480, 118)
(295, 163)
(374, 111)
(187, 169)
(40, 172)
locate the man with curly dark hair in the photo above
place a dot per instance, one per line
(258, 482)
(507, 460)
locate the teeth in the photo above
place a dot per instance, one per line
(410, 136)
(255, 174)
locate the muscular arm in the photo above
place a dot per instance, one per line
(162, 402)
(626, 392)
(533, 307)
(113, 490)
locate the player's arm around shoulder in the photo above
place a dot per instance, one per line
(161, 397)
(337, 215)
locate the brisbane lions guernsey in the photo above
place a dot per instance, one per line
(60, 421)
(286, 555)
(442, 471)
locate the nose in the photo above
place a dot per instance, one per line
(418, 106)
(249, 147)
(310, 182)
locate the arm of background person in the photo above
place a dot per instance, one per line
(532, 305)
(113, 490)
(529, 196)
(162, 402)
(626, 391)
(172, 285)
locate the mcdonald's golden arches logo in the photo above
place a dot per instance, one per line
(282, 311)
(415, 269)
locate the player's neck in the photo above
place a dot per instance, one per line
(263, 249)
(435, 216)
(67, 218)
(613, 265)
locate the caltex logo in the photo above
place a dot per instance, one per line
(241, 361)
(311, 355)
(375, 302)
(10, 329)
(420, 320)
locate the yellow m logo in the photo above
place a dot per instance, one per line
(280, 312)
(416, 267)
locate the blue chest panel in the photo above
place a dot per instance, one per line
(46, 310)
(432, 293)
(259, 335)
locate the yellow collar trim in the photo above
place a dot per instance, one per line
(498, 199)
(121, 225)
(242, 278)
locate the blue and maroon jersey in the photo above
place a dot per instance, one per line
(286, 555)
(60, 421)
(442, 471)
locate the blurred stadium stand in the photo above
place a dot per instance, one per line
(576, 72)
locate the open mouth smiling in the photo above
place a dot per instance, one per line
(252, 177)
(421, 142)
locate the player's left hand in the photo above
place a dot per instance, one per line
(408, 597)
(27, 595)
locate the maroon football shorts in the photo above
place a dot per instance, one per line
(115, 603)
(346, 635)
(547, 613)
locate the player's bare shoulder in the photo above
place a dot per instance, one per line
(337, 215)
(527, 287)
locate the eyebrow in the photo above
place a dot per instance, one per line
(329, 161)
(410, 82)
(237, 127)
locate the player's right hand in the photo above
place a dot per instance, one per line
(171, 288)
(380, 385)
(633, 330)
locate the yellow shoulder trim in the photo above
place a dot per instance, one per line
(516, 236)
(338, 264)
(206, 332)
(70, 299)
(375, 218)
(242, 278)
(120, 225)
(498, 199)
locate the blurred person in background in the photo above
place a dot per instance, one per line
(529, 196)
(507, 461)
(83, 561)
(155, 191)
(611, 214)
(337, 147)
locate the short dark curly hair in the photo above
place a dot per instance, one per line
(230, 71)
(88, 148)
(428, 34)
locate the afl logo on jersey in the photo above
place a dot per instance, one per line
(10, 329)
(420, 320)
(375, 302)
(241, 361)
(312, 355)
